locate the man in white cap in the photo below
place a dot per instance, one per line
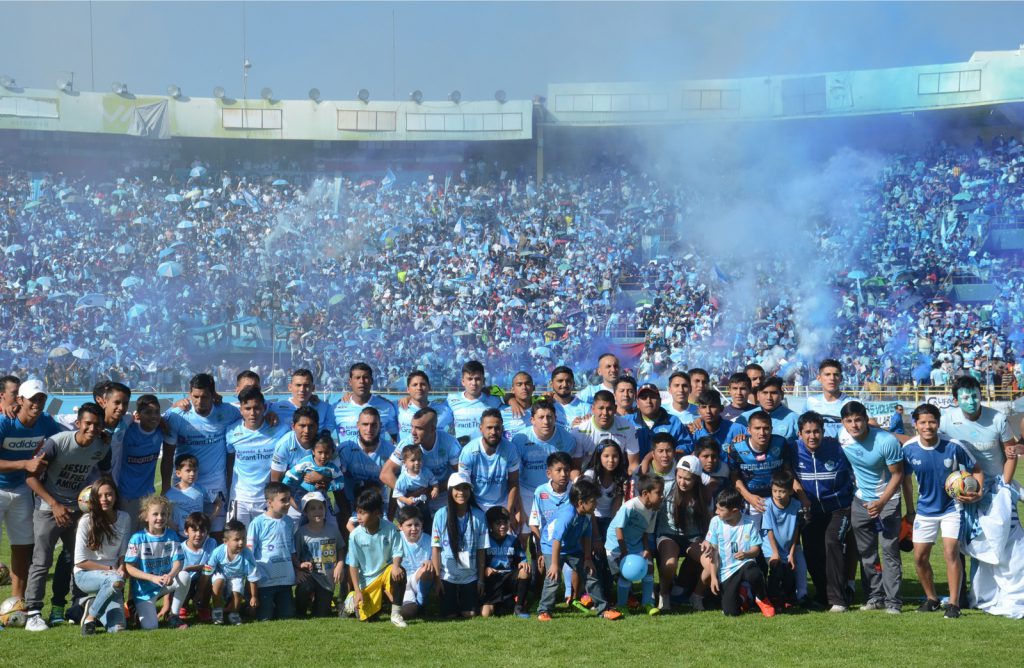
(21, 437)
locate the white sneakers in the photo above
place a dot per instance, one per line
(397, 619)
(838, 608)
(35, 623)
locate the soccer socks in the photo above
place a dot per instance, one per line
(647, 585)
(624, 586)
(522, 588)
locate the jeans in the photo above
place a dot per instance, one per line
(275, 603)
(550, 591)
(107, 607)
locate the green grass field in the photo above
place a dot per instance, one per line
(683, 638)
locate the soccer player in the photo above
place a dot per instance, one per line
(295, 444)
(830, 402)
(250, 448)
(140, 450)
(533, 447)
(651, 418)
(932, 460)
(515, 414)
(417, 385)
(877, 461)
(302, 388)
(769, 399)
(753, 461)
(440, 454)
(201, 432)
(467, 406)
(71, 459)
(609, 369)
(710, 423)
(568, 406)
(348, 409)
(679, 390)
(700, 380)
(604, 424)
(363, 457)
(491, 464)
(21, 438)
(739, 390)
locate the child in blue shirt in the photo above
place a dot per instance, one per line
(153, 561)
(932, 460)
(375, 562)
(321, 459)
(187, 496)
(416, 561)
(548, 498)
(415, 485)
(271, 537)
(729, 552)
(196, 550)
(459, 541)
(632, 532)
(779, 539)
(507, 576)
(568, 539)
(233, 566)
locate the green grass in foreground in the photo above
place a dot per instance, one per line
(684, 638)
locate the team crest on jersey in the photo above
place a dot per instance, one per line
(947, 463)
(545, 496)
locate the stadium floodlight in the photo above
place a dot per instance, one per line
(219, 92)
(267, 94)
(64, 85)
(314, 94)
(174, 91)
(363, 95)
(416, 96)
(455, 96)
(8, 82)
(119, 87)
(500, 96)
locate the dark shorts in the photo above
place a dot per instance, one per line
(500, 589)
(682, 542)
(459, 598)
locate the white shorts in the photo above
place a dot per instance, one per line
(245, 511)
(926, 529)
(234, 585)
(16, 514)
(526, 497)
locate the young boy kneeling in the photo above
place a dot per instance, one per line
(375, 562)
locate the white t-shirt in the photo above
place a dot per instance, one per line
(984, 438)
(111, 551)
(587, 435)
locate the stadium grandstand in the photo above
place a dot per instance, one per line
(146, 237)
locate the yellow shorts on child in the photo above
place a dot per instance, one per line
(373, 595)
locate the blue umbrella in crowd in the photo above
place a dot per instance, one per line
(131, 282)
(201, 204)
(137, 310)
(170, 269)
(186, 225)
(91, 300)
(174, 197)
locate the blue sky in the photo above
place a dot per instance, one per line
(476, 47)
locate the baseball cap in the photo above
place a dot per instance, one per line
(691, 464)
(313, 496)
(31, 388)
(648, 387)
(456, 479)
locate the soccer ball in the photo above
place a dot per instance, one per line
(83, 499)
(971, 485)
(956, 484)
(12, 612)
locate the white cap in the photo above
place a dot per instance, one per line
(31, 388)
(691, 464)
(456, 479)
(313, 496)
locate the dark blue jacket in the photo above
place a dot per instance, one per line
(665, 422)
(826, 475)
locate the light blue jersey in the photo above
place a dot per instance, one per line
(569, 528)
(287, 452)
(547, 502)
(153, 555)
(371, 553)
(512, 424)
(445, 419)
(140, 451)
(199, 557)
(533, 455)
(586, 395)
(253, 450)
(187, 501)
(871, 459)
(295, 477)
(635, 520)
(829, 411)
(566, 414)
(466, 412)
(242, 566)
(272, 542)
(285, 410)
(415, 555)
(459, 557)
(408, 483)
(361, 466)
(783, 422)
(729, 540)
(489, 473)
(204, 438)
(783, 523)
(685, 416)
(346, 416)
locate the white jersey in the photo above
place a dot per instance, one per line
(829, 411)
(587, 436)
(984, 438)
